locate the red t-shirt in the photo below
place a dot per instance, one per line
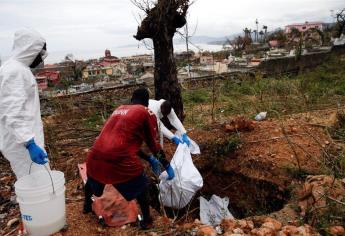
(113, 158)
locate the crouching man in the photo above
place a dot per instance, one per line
(114, 157)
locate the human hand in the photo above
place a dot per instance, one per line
(185, 139)
(37, 154)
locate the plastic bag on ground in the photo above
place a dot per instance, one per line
(112, 206)
(177, 193)
(214, 211)
(261, 116)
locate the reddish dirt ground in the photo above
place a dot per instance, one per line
(264, 154)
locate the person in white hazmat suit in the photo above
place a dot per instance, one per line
(21, 129)
(162, 109)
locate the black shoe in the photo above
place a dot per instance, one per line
(101, 221)
(87, 208)
(144, 225)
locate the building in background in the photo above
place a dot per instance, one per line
(109, 60)
(53, 77)
(302, 27)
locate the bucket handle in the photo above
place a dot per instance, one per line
(51, 179)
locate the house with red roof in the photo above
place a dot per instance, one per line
(53, 77)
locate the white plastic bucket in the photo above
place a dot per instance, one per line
(41, 198)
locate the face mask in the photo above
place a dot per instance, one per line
(44, 54)
(40, 57)
(38, 60)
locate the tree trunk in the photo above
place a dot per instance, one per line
(166, 83)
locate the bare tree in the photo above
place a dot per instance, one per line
(340, 25)
(239, 44)
(280, 36)
(163, 18)
(76, 67)
(247, 33)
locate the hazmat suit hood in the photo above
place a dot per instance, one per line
(28, 43)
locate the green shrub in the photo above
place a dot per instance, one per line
(227, 146)
(196, 96)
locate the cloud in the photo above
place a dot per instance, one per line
(86, 25)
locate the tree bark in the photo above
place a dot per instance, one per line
(160, 25)
(166, 83)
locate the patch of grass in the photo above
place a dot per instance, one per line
(94, 121)
(318, 88)
(340, 89)
(196, 96)
(227, 146)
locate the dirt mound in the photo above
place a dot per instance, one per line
(240, 124)
(274, 151)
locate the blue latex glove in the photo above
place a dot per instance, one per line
(155, 165)
(176, 140)
(185, 139)
(37, 154)
(170, 172)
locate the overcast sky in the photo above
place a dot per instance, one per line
(85, 26)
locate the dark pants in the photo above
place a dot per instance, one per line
(136, 188)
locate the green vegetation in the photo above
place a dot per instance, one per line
(94, 121)
(196, 96)
(322, 87)
(333, 214)
(227, 146)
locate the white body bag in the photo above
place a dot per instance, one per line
(177, 193)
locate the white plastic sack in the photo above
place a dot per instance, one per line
(214, 211)
(177, 193)
(193, 147)
(261, 116)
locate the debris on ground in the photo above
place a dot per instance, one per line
(268, 227)
(261, 116)
(212, 212)
(240, 124)
(337, 230)
(316, 191)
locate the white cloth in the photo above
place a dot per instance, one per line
(178, 192)
(155, 107)
(20, 116)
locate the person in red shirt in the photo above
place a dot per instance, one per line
(114, 157)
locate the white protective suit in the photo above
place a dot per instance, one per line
(20, 115)
(155, 107)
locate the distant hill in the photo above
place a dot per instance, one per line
(204, 40)
(178, 40)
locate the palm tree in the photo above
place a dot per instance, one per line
(257, 30)
(255, 35)
(265, 31)
(261, 33)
